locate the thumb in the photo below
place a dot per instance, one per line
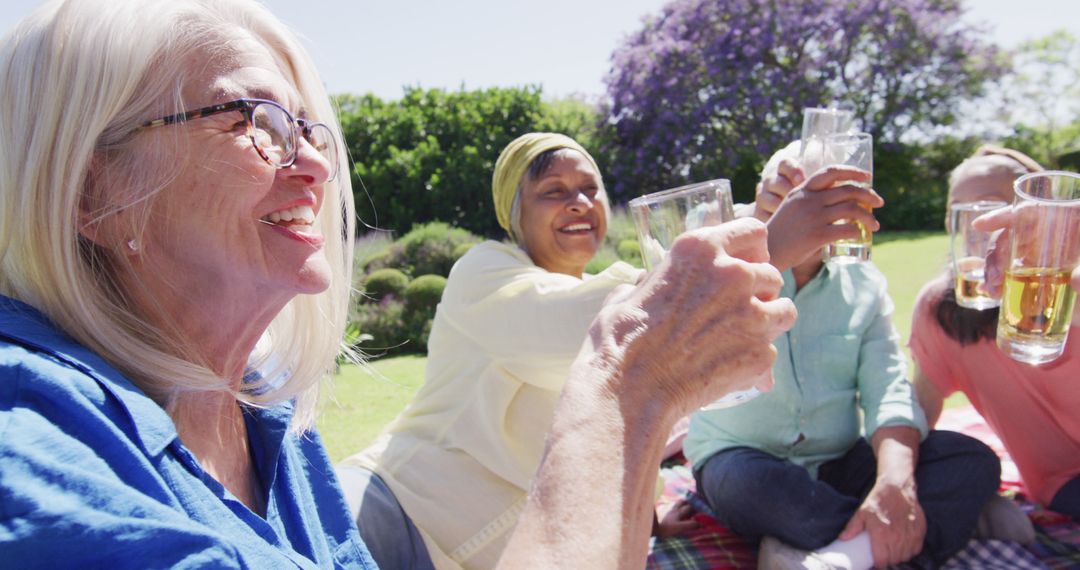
(853, 528)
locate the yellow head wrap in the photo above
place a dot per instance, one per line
(515, 160)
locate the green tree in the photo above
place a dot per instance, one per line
(1042, 96)
(429, 156)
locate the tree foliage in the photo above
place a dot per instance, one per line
(429, 156)
(1042, 96)
(710, 87)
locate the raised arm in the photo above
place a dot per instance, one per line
(698, 327)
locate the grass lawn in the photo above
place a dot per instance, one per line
(365, 401)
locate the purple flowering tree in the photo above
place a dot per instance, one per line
(710, 88)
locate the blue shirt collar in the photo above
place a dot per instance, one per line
(24, 325)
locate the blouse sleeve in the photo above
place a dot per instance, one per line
(885, 394)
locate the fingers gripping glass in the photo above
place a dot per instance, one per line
(272, 129)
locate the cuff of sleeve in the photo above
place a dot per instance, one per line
(910, 416)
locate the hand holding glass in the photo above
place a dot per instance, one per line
(1037, 300)
(849, 149)
(662, 217)
(968, 249)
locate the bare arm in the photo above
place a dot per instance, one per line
(699, 327)
(930, 398)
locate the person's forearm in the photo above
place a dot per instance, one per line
(699, 327)
(929, 397)
(591, 505)
(897, 451)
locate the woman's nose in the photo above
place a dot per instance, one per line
(310, 164)
(580, 202)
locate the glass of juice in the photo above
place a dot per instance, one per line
(661, 217)
(1037, 301)
(847, 149)
(968, 249)
(818, 123)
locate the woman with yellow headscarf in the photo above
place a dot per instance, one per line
(460, 458)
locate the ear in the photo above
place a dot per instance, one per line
(99, 221)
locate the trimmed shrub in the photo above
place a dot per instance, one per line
(630, 251)
(427, 249)
(386, 281)
(424, 293)
(375, 261)
(419, 329)
(461, 250)
(387, 325)
(603, 258)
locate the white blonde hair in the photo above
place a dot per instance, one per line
(78, 78)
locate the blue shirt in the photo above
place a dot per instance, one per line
(93, 474)
(843, 354)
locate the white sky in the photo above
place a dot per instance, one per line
(564, 45)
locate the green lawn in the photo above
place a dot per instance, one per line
(366, 400)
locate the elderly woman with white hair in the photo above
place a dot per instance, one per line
(172, 217)
(170, 202)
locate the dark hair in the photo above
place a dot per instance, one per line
(969, 326)
(540, 165)
(966, 326)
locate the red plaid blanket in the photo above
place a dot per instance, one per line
(713, 546)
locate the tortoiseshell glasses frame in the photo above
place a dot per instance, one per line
(273, 131)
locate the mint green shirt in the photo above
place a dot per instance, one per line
(843, 354)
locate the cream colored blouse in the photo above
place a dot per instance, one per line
(461, 456)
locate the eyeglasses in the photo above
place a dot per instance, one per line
(272, 129)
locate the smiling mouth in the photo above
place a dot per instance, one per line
(577, 228)
(298, 219)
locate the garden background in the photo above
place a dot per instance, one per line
(703, 89)
(693, 90)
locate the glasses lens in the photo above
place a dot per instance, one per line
(322, 140)
(273, 134)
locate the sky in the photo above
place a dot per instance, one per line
(563, 45)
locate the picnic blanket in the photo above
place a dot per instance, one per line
(712, 546)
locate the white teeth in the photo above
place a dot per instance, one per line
(577, 227)
(302, 215)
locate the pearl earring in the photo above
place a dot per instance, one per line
(133, 244)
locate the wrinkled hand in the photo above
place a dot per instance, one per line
(699, 326)
(804, 221)
(678, 520)
(892, 516)
(774, 186)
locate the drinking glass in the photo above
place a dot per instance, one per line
(968, 249)
(818, 123)
(661, 217)
(1037, 300)
(849, 149)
